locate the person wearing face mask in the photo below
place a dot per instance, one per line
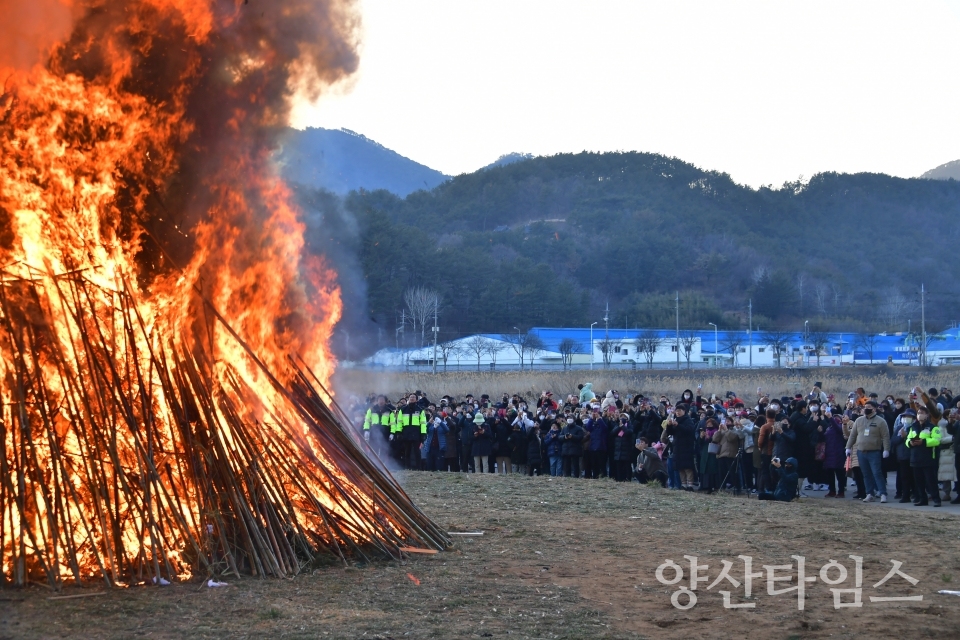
(834, 459)
(924, 442)
(871, 436)
(787, 480)
(818, 427)
(571, 438)
(765, 444)
(552, 443)
(906, 490)
(623, 449)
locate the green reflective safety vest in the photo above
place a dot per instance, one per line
(931, 436)
(417, 419)
(376, 418)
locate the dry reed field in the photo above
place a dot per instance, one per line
(884, 379)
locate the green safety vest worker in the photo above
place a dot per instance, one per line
(930, 434)
(411, 422)
(395, 427)
(378, 416)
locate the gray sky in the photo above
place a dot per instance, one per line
(765, 91)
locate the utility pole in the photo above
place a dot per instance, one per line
(923, 328)
(606, 323)
(716, 352)
(519, 348)
(436, 330)
(750, 330)
(678, 331)
(591, 346)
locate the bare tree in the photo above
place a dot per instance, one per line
(608, 346)
(895, 308)
(821, 293)
(868, 342)
(648, 342)
(478, 346)
(567, 348)
(449, 350)
(778, 341)
(819, 340)
(688, 340)
(423, 304)
(837, 298)
(494, 347)
(517, 342)
(800, 281)
(732, 343)
(760, 273)
(535, 346)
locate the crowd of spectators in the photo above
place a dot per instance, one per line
(775, 448)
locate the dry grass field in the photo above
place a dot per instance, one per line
(840, 381)
(558, 558)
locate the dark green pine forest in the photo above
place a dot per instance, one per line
(554, 241)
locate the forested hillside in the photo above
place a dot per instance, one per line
(552, 241)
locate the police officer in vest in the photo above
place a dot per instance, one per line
(379, 418)
(924, 442)
(412, 427)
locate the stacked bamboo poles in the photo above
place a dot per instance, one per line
(124, 458)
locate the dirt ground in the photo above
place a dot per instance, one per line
(560, 558)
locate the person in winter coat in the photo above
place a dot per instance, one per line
(464, 419)
(435, 444)
(749, 431)
(586, 393)
(571, 448)
(598, 429)
(728, 439)
(649, 465)
(784, 439)
(451, 454)
(870, 435)
(708, 456)
(902, 425)
(553, 444)
(924, 442)
(517, 446)
(787, 481)
(534, 456)
(819, 421)
(835, 458)
(805, 444)
(855, 472)
(501, 444)
(765, 444)
(953, 428)
(682, 430)
(482, 442)
(610, 400)
(946, 473)
(623, 449)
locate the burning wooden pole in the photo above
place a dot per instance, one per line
(129, 455)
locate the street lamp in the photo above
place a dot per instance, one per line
(716, 351)
(519, 348)
(591, 345)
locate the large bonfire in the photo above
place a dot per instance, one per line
(163, 341)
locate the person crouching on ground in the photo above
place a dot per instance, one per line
(787, 479)
(649, 465)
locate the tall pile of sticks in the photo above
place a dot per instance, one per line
(124, 458)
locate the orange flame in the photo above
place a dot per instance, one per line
(138, 154)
